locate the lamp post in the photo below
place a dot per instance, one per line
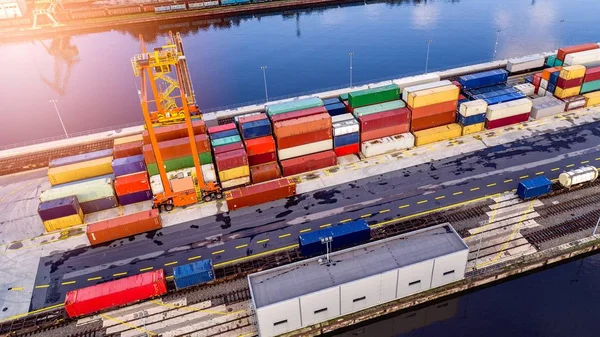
(351, 54)
(427, 57)
(596, 227)
(264, 69)
(496, 44)
(327, 242)
(53, 101)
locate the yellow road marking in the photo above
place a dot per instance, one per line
(42, 286)
(262, 241)
(440, 197)
(16, 288)
(539, 173)
(523, 177)
(362, 216)
(555, 169)
(597, 159)
(120, 274)
(491, 185)
(241, 246)
(305, 230)
(384, 211)
(170, 263)
(570, 165)
(194, 257)
(12, 192)
(585, 161)
(508, 180)
(421, 202)
(68, 282)
(345, 220)
(169, 277)
(474, 189)
(457, 193)
(218, 252)
(403, 206)
(3, 198)
(284, 235)
(148, 268)
(95, 278)
(325, 225)
(129, 325)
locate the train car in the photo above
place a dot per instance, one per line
(125, 291)
(162, 9)
(534, 187)
(578, 176)
(193, 274)
(341, 236)
(204, 4)
(234, 2)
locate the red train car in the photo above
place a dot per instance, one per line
(116, 293)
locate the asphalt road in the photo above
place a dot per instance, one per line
(276, 225)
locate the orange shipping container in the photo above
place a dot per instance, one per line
(176, 148)
(305, 138)
(433, 109)
(127, 149)
(170, 132)
(302, 125)
(123, 226)
(384, 132)
(433, 121)
(131, 183)
(261, 193)
(183, 184)
(548, 71)
(265, 172)
(260, 145)
(562, 52)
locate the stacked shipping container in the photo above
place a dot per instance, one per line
(60, 213)
(230, 155)
(346, 135)
(262, 155)
(591, 80)
(569, 81)
(471, 116)
(93, 195)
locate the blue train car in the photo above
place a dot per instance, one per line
(194, 273)
(483, 79)
(342, 235)
(534, 187)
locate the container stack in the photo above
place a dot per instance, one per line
(575, 102)
(592, 98)
(433, 106)
(548, 76)
(546, 106)
(471, 116)
(515, 65)
(128, 146)
(346, 136)
(591, 80)
(79, 167)
(569, 81)
(334, 106)
(131, 183)
(504, 114)
(527, 89)
(231, 158)
(552, 61)
(94, 194)
(260, 146)
(60, 213)
(588, 58)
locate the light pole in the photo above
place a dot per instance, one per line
(427, 57)
(264, 69)
(560, 30)
(53, 101)
(496, 45)
(327, 242)
(596, 228)
(351, 54)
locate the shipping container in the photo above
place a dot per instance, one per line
(534, 187)
(298, 104)
(495, 93)
(80, 158)
(434, 109)
(85, 190)
(592, 98)
(462, 99)
(193, 274)
(308, 163)
(128, 165)
(98, 205)
(299, 114)
(306, 149)
(265, 172)
(208, 173)
(474, 119)
(336, 109)
(562, 52)
(398, 117)
(346, 139)
(527, 89)
(229, 160)
(433, 96)
(566, 84)
(590, 58)
(112, 294)
(127, 149)
(251, 117)
(408, 90)
(234, 173)
(474, 128)
(302, 125)
(416, 80)
(128, 139)
(384, 132)
(385, 145)
(372, 96)
(578, 176)
(131, 183)
(592, 74)
(260, 145)
(306, 138)
(224, 134)
(346, 150)
(123, 226)
(551, 89)
(332, 100)
(505, 98)
(135, 197)
(183, 185)
(564, 93)
(541, 91)
(343, 117)
(473, 108)
(483, 79)
(551, 60)
(546, 73)
(176, 148)
(174, 131)
(180, 163)
(343, 235)
(235, 182)
(525, 63)
(543, 84)
(343, 97)
(377, 108)
(345, 127)
(572, 72)
(260, 193)
(546, 106)
(575, 102)
(221, 128)
(262, 158)
(63, 222)
(58, 208)
(437, 134)
(256, 129)
(457, 83)
(590, 86)
(501, 122)
(444, 118)
(79, 171)
(229, 147)
(508, 109)
(225, 141)
(485, 90)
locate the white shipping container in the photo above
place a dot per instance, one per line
(526, 88)
(578, 176)
(548, 93)
(576, 104)
(546, 106)
(342, 117)
(208, 172)
(508, 109)
(541, 91)
(303, 150)
(544, 84)
(345, 127)
(384, 145)
(156, 184)
(235, 182)
(524, 63)
(84, 190)
(586, 58)
(416, 80)
(424, 86)
(473, 108)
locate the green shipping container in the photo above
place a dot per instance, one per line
(180, 163)
(558, 63)
(373, 96)
(301, 104)
(590, 86)
(225, 141)
(376, 108)
(551, 60)
(343, 97)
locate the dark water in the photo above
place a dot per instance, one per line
(557, 302)
(306, 50)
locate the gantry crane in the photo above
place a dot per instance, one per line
(47, 8)
(66, 55)
(154, 65)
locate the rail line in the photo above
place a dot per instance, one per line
(580, 223)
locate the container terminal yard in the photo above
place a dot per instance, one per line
(476, 174)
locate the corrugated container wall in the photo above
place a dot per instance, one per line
(79, 171)
(193, 274)
(123, 226)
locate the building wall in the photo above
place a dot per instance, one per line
(320, 306)
(279, 318)
(449, 268)
(414, 278)
(368, 292)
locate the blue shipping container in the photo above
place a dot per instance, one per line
(554, 77)
(194, 273)
(479, 91)
(505, 98)
(483, 79)
(223, 134)
(343, 235)
(551, 88)
(328, 101)
(336, 109)
(234, 2)
(534, 187)
(529, 79)
(466, 121)
(463, 101)
(347, 139)
(256, 129)
(495, 93)
(128, 165)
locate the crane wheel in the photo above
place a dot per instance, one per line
(207, 198)
(169, 207)
(219, 196)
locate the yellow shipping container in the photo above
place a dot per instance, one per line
(571, 72)
(437, 134)
(592, 98)
(234, 173)
(564, 93)
(469, 129)
(64, 222)
(432, 96)
(130, 139)
(79, 171)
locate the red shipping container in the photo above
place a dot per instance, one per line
(298, 126)
(434, 109)
(384, 132)
(498, 123)
(461, 97)
(251, 118)
(566, 84)
(127, 149)
(219, 128)
(131, 183)
(537, 79)
(306, 138)
(592, 74)
(265, 172)
(176, 148)
(260, 145)
(457, 83)
(298, 114)
(174, 131)
(428, 122)
(261, 193)
(346, 150)
(562, 52)
(115, 293)
(231, 159)
(228, 147)
(262, 158)
(308, 163)
(384, 119)
(349, 109)
(123, 226)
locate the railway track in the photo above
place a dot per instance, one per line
(584, 222)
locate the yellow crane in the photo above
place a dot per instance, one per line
(47, 8)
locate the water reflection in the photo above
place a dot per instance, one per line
(65, 55)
